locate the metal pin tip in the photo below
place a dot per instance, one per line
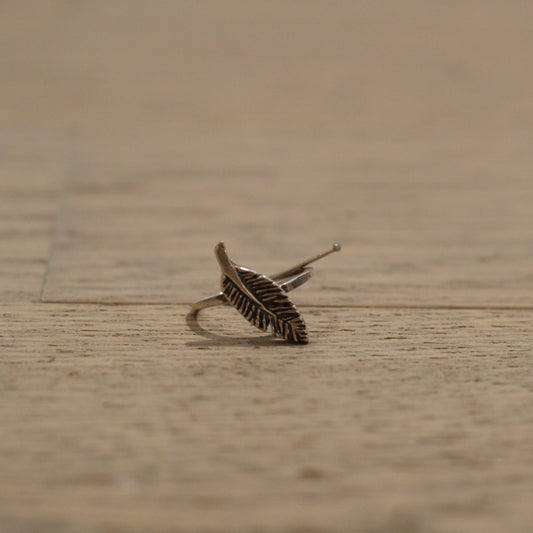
(220, 248)
(336, 247)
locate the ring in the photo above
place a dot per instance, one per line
(263, 300)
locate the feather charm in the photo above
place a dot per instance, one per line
(260, 300)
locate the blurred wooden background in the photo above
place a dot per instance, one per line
(136, 135)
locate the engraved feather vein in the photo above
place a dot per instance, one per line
(263, 303)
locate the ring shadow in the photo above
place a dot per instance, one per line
(222, 340)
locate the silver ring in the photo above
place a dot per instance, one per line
(261, 299)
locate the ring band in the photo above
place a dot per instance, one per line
(260, 299)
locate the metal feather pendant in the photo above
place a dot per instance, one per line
(260, 300)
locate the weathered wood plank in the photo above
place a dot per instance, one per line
(402, 130)
(416, 229)
(121, 417)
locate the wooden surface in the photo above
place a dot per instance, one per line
(136, 135)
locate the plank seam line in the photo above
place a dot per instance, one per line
(55, 229)
(303, 306)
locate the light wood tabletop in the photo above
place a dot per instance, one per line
(136, 135)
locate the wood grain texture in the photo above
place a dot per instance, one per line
(400, 129)
(403, 132)
(410, 419)
(412, 234)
